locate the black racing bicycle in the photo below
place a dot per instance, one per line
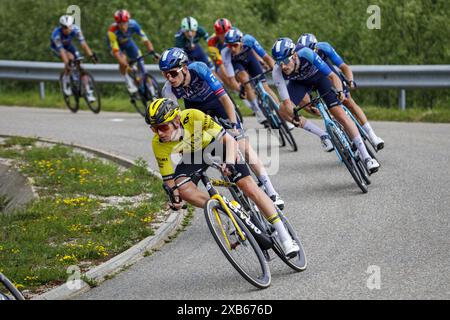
(82, 85)
(241, 232)
(270, 109)
(148, 87)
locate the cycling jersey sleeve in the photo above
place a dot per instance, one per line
(251, 42)
(330, 53)
(112, 37)
(226, 58)
(314, 59)
(56, 39)
(138, 30)
(162, 152)
(78, 33)
(168, 93)
(209, 126)
(280, 83)
(202, 33)
(205, 73)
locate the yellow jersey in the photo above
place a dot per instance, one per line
(199, 130)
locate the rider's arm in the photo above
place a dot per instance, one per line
(228, 66)
(114, 45)
(229, 108)
(202, 33)
(269, 60)
(336, 59)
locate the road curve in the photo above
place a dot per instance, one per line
(392, 243)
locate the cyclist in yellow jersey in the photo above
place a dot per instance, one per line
(191, 134)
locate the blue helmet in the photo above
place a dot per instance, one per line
(283, 48)
(172, 58)
(308, 40)
(233, 35)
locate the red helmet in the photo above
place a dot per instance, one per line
(122, 16)
(222, 25)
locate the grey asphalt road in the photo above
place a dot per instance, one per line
(392, 243)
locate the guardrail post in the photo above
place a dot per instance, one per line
(42, 90)
(402, 99)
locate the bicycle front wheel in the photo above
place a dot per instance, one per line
(94, 104)
(71, 101)
(348, 160)
(244, 255)
(284, 131)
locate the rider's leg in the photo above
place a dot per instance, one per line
(257, 167)
(297, 93)
(265, 205)
(242, 76)
(191, 194)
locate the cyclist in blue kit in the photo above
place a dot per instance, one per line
(328, 54)
(200, 89)
(305, 71)
(62, 47)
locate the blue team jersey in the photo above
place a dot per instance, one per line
(59, 40)
(327, 53)
(249, 43)
(204, 87)
(118, 39)
(310, 65)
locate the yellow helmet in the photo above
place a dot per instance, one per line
(161, 111)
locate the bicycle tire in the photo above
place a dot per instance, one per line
(273, 128)
(262, 278)
(348, 160)
(284, 130)
(96, 105)
(299, 262)
(139, 103)
(155, 84)
(71, 105)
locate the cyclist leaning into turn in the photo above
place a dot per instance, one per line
(239, 57)
(327, 53)
(200, 89)
(190, 132)
(62, 47)
(122, 45)
(305, 70)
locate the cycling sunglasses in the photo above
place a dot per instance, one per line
(162, 127)
(284, 61)
(232, 45)
(172, 73)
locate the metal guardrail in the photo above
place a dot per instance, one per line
(384, 76)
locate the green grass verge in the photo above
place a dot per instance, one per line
(72, 223)
(120, 103)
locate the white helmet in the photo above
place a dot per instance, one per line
(66, 21)
(189, 24)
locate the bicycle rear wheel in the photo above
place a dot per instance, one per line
(153, 90)
(244, 255)
(139, 103)
(93, 105)
(348, 160)
(298, 262)
(71, 101)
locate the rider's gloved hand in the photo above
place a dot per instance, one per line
(177, 203)
(155, 55)
(94, 58)
(353, 84)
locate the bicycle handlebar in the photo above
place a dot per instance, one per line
(133, 61)
(256, 78)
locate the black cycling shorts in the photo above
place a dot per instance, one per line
(197, 160)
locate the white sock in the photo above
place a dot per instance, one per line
(254, 105)
(279, 227)
(368, 128)
(247, 103)
(265, 180)
(311, 127)
(361, 147)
